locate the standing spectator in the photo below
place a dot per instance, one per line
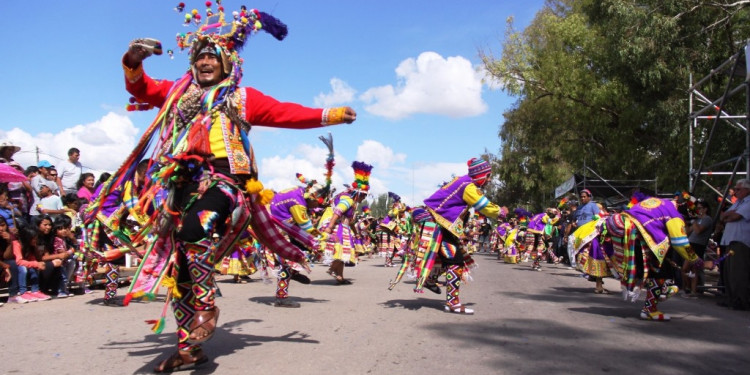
(85, 186)
(54, 177)
(699, 232)
(16, 190)
(586, 211)
(570, 227)
(7, 149)
(38, 178)
(485, 230)
(70, 172)
(736, 239)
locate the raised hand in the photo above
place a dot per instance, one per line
(140, 49)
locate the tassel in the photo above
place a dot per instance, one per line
(171, 284)
(126, 300)
(266, 196)
(158, 325)
(253, 186)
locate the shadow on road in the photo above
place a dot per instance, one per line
(228, 339)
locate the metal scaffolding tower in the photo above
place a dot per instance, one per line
(736, 71)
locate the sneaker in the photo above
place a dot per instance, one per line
(40, 296)
(30, 297)
(18, 299)
(285, 302)
(459, 309)
(87, 291)
(62, 295)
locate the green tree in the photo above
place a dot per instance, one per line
(605, 82)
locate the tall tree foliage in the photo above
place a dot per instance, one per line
(605, 83)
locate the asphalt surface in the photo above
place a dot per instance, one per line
(547, 322)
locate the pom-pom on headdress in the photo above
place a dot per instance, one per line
(395, 198)
(362, 172)
(636, 198)
(227, 35)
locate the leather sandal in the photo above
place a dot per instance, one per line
(342, 281)
(205, 320)
(182, 360)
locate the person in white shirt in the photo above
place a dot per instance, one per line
(70, 171)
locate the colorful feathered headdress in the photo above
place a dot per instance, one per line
(230, 35)
(361, 177)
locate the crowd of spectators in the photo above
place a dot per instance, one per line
(40, 228)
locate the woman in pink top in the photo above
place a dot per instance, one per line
(86, 186)
(29, 266)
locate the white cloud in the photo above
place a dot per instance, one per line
(104, 144)
(430, 84)
(378, 154)
(279, 172)
(342, 93)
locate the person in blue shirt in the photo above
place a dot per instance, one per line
(586, 210)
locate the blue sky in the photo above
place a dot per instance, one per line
(409, 68)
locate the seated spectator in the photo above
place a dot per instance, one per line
(50, 204)
(102, 178)
(29, 266)
(52, 275)
(73, 205)
(64, 245)
(8, 211)
(7, 242)
(86, 186)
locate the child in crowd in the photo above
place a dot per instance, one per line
(50, 204)
(65, 243)
(54, 259)
(28, 266)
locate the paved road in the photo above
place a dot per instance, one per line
(547, 322)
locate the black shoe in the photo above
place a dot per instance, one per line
(113, 302)
(300, 278)
(722, 304)
(433, 288)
